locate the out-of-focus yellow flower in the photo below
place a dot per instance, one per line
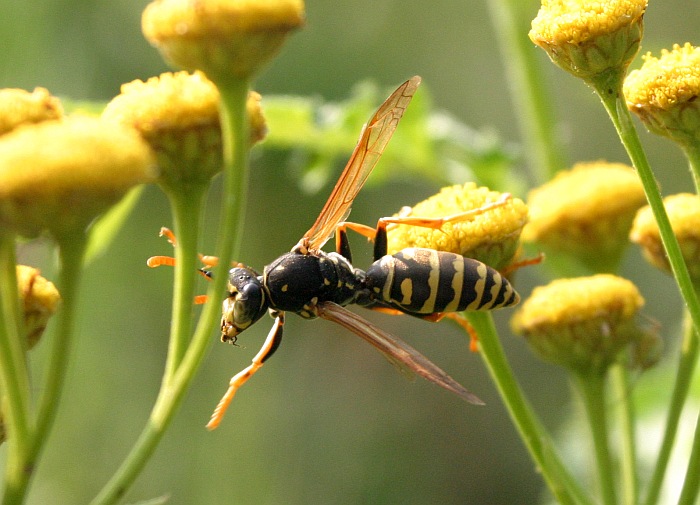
(178, 115)
(60, 175)
(684, 213)
(581, 323)
(590, 38)
(663, 93)
(223, 38)
(586, 212)
(39, 298)
(19, 107)
(491, 237)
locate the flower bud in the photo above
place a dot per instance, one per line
(178, 115)
(60, 175)
(684, 214)
(581, 323)
(663, 93)
(39, 301)
(586, 212)
(19, 107)
(223, 38)
(491, 236)
(590, 39)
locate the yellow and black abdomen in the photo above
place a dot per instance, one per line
(425, 281)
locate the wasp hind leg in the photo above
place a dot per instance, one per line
(272, 342)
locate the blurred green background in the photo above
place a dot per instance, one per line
(327, 420)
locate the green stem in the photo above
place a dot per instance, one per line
(14, 377)
(72, 252)
(541, 448)
(628, 458)
(691, 485)
(235, 136)
(610, 93)
(592, 389)
(683, 377)
(692, 152)
(531, 98)
(187, 210)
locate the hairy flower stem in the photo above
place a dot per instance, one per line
(535, 438)
(235, 137)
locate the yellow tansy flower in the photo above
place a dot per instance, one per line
(586, 212)
(589, 38)
(178, 115)
(684, 213)
(491, 236)
(59, 175)
(39, 298)
(19, 107)
(663, 93)
(581, 323)
(223, 38)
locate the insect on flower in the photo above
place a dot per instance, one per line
(307, 281)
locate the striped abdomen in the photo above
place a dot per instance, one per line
(425, 281)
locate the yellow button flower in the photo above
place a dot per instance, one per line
(589, 38)
(223, 38)
(39, 301)
(581, 323)
(491, 237)
(684, 213)
(60, 175)
(178, 115)
(19, 107)
(586, 212)
(663, 93)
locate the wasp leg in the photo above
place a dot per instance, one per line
(523, 263)
(272, 342)
(438, 222)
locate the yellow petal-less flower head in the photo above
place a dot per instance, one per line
(60, 175)
(581, 323)
(491, 237)
(684, 213)
(586, 212)
(39, 301)
(590, 38)
(178, 115)
(663, 93)
(19, 107)
(223, 38)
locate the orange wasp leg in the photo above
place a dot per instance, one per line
(438, 222)
(169, 261)
(272, 342)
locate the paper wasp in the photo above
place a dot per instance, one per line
(312, 283)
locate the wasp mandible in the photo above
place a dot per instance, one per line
(307, 281)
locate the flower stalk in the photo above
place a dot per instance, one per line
(181, 372)
(14, 375)
(560, 482)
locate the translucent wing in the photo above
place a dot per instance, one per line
(394, 349)
(373, 139)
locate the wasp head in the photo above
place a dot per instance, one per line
(245, 304)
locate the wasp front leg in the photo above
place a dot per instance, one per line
(207, 261)
(272, 342)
